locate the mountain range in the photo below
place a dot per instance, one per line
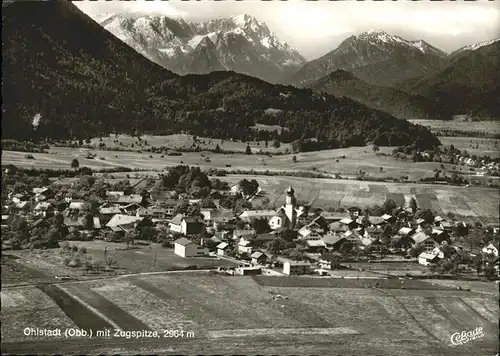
(78, 80)
(375, 57)
(404, 78)
(239, 43)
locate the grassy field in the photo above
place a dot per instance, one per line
(327, 161)
(485, 146)
(492, 127)
(182, 141)
(232, 314)
(471, 203)
(43, 265)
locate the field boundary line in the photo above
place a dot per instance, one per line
(410, 315)
(474, 311)
(89, 307)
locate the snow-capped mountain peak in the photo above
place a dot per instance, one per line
(475, 46)
(240, 43)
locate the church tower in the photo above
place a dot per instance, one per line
(290, 204)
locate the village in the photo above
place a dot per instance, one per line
(198, 217)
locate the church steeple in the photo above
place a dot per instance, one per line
(290, 197)
(290, 212)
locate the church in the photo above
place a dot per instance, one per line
(287, 215)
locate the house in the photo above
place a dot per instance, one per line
(334, 217)
(354, 212)
(152, 212)
(249, 234)
(332, 241)
(438, 220)
(44, 209)
(306, 233)
(296, 268)
(353, 237)
(315, 245)
(22, 205)
(374, 232)
(222, 248)
(17, 198)
(338, 227)
(258, 258)
(187, 248)
(221, 235)
(126, 200)
(107, 212)
(491, 249)
(349, 223)
(329, 260)
(377, 220)
(235, 189)
(43, 193)
(76, 207)
(388, 218)
(248, 215)
(421, 238)
(426, 258)
(248, 271)
(131, 209)
(319, 223)
(244, 246)
(446, 226)
(440, 236)
(123, 223)
(186, 225)
(278, 221)
(115, 194)
(216, 217)
(405, 231)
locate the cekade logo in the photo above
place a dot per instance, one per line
(466, 336)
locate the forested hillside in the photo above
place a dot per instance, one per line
(83, 82)
(468, 84)
(394, 101)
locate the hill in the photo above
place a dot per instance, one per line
(468, 84)
(83, 81)
(375, 57)
(396, 102)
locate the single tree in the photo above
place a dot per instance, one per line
(248, 150)
(217, 149)
(375, 148)
(413, 205)
(75, 164)
(294, 158)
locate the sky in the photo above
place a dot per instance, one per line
(316, 28)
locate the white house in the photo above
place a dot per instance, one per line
(426, 258)
(222, 248)
(186, 248)
(296, 268)
(186, 225)
(491, 249)
(244, 246)
(421, 238)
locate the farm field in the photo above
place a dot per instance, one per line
(231, 314)
(471, 203)
(183, 141)
(486, 146)
(391, 268)
(153, 258)
(488, 126)
(327, 161)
